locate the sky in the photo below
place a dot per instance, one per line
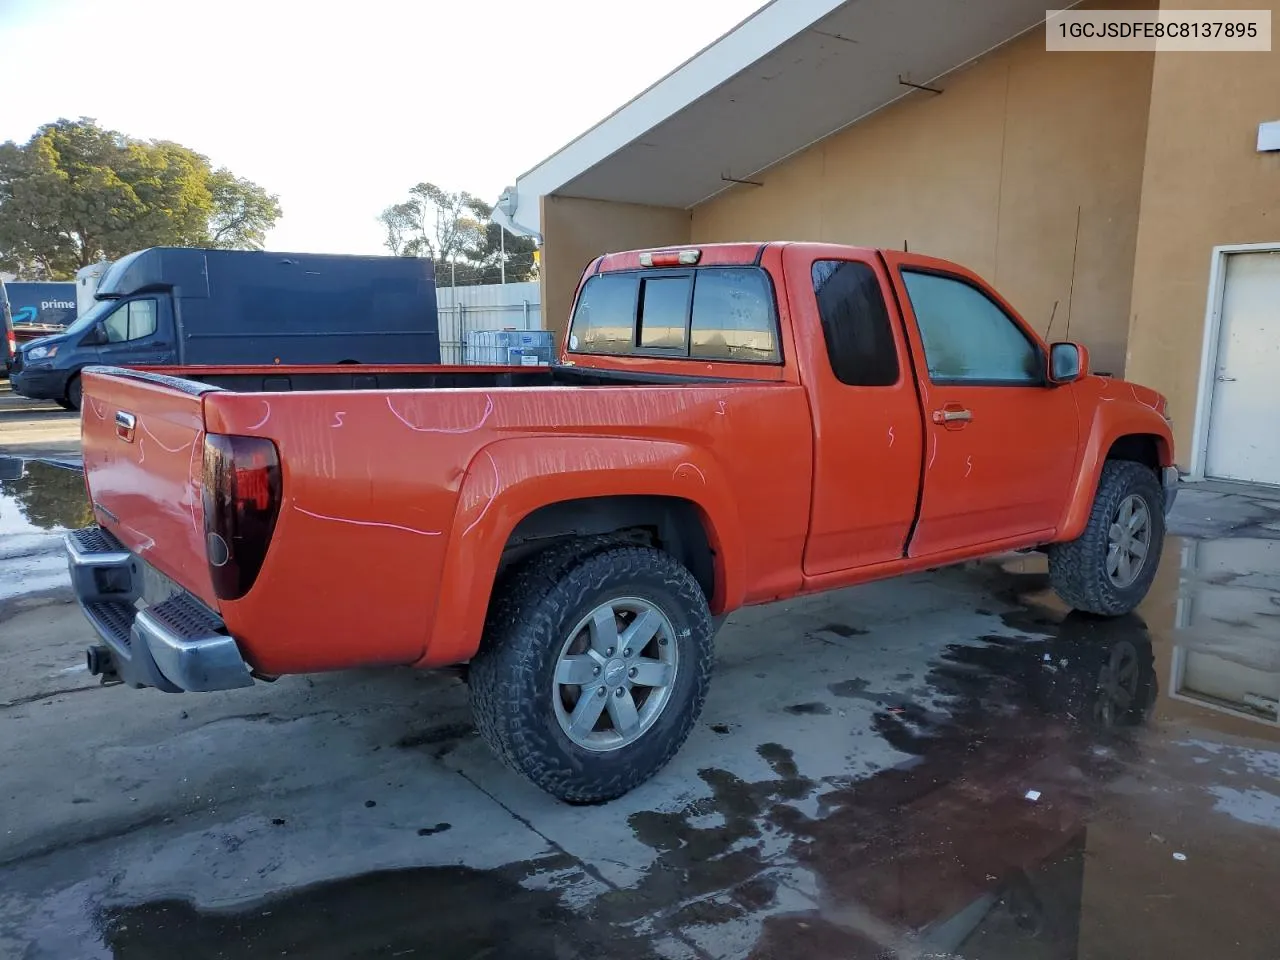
(340, 108)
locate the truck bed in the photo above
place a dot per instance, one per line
(388, 471)
(275, 379)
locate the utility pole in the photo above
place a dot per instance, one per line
(502, 245)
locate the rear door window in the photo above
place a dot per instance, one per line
(712, 313)
(855, 323)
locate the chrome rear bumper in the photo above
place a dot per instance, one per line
(175, 645)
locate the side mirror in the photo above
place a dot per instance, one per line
(95, 337)
(1068, 362)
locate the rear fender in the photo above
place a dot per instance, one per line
(1112, 419)
(509, 479)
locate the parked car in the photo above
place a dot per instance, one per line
(183, 306)
(726, 425)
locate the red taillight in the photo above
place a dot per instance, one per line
(241, 504)
(13, 345)
(670, 258)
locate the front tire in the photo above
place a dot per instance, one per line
(74, 394)
(593, 669)
(1108, 569)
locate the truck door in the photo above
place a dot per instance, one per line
(139, 332)
(868, 432)
(1001, 443)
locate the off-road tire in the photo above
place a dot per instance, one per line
(1078, 569)
(512, 676)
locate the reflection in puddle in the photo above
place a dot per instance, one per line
(1226, 654)
(36, 497)
(38, 501)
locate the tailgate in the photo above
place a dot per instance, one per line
(143, 441)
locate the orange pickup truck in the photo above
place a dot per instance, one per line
(726, 425)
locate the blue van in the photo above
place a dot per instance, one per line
(178, 306)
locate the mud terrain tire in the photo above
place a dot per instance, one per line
(534, 620)
(1079, 570)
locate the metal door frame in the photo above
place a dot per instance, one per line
(1209, 351)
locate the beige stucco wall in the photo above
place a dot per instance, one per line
(1205, 184)
(994, 173)
(576, 231)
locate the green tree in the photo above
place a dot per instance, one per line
(457, 231)
(76, 193)
(496, 245)
(243, 212)
(434, 223)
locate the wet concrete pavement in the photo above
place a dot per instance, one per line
(37, 428)
(945, 765)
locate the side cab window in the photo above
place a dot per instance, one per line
(968, 338)
(131, 321)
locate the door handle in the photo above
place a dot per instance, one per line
(1226, 379)
(952, 416)
(125, 423)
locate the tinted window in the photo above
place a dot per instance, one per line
(733, 316)
(605, 319)
(966, 336)
(664, 305)
(132, 321)
(855, 324)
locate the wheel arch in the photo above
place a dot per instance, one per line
(73, 381)
(671, 523)
(522, 494)
(1116, 432)
(1149, 449)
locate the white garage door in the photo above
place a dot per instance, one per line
(1244, 421)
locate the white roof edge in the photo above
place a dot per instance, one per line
(753, 38)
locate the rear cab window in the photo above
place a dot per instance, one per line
(702, 313)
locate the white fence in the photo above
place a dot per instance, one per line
(490, 306)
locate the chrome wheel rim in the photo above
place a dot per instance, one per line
(614, 674)
(1128, 541)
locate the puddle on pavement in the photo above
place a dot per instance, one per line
(1082, 787)
(443, 913)
(38, 497)
(38, 501)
